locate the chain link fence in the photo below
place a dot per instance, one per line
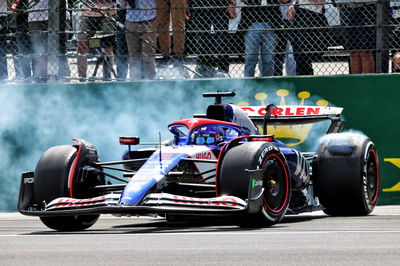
(104, 40)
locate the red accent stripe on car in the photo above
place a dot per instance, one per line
(72, 172)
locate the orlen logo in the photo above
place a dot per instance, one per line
(295, 134)
(204, 155)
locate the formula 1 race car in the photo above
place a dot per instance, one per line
(222, 163)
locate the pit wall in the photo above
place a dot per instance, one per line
(36, 117)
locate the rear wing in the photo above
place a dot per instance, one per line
(292, 112)
(295, 114)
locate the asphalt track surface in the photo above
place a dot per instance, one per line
(307, 239)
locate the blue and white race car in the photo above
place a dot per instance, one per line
(217, 164)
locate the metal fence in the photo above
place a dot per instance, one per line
(103, 40)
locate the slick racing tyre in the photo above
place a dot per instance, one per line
(51, 182)
(234, 180)
(346, 174)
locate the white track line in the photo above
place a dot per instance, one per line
(130, 234)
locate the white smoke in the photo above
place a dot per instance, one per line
(35, 118)
(347, 134)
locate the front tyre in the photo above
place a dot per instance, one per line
(51, 182)
(234, 180)
(70, 223)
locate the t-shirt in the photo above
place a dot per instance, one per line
(39, 12)
(209, 3)
(145, 10)
(35, 15)
(3, 8)
(311, 5)
(261, 11)
(99, 3)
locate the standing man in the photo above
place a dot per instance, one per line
(359, 37)
(3, 40)
(309, 35)
(141, 38)
(38, 26)
(260, 18)
(175, 11)
(92, 21)
(212, 48)
(121, 50)
(22, 50)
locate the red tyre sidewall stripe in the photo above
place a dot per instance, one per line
(73, 168)
(287, 183)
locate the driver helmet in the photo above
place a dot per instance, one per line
(209, 135)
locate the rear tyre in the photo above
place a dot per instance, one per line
(51, 182)
(234, 180)
(347, 175)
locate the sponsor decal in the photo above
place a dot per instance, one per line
(71, 202)
(89, 145)
(221, 201)
(29, 180)
(204, 155)
(269, 139)
(395, 162)
(296, 107)
(285, 111)
(263, 153)
(256, 183)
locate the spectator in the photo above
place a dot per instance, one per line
(393, 32)
(211, 49)
(122, 54)
(38, 25)
(22, 49)
(284, 50)
(94, 20)
(359, 39)
(310, 31)
(396, 63)
(3, 40)
(141, 38)
(175, 11)
(260, 17)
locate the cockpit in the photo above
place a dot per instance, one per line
(204, 134)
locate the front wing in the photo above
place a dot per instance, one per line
(153, 204)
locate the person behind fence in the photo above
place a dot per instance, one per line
(121, 50)
(3, 40)
(21, 40)
(174, 11)
(309, 34)
(141, 38)
(38, 26)
(393, 36)
(284, 50)
(95, 21)
(212, 48)
(396, 63)
(260, 18)
(38, 19)
(359, 32)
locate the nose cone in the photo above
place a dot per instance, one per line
(135, 191)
